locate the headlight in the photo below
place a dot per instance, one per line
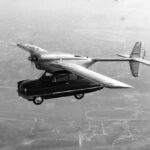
(25, 90)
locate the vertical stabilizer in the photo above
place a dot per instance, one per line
(137, 52)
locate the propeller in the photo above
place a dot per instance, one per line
(31, 62)
(31, 49)
(32, 59)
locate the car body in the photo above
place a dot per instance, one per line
(59, 84)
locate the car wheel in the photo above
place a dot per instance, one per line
(38, 100)
(79, 96)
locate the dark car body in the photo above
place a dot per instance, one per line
(56, 85)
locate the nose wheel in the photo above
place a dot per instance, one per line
(79, 96)
(38, 100)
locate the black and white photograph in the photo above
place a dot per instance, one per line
(74, 75)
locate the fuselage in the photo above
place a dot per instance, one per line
(48, 59)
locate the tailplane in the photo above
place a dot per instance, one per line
(135, 58)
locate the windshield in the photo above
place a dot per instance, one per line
(45, 75)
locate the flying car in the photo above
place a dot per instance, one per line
(68, 74)
(58, 84)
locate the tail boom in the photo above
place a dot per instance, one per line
(135, 58)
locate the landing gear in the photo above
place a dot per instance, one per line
(79, 96)
(38, 100)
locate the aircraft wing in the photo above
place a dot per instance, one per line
(92, 76)
(32, 49)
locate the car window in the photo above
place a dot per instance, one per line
(72, 77)
(60, 78)
(46, 76)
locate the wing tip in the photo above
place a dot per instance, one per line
(119, 86)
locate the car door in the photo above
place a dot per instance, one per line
(76, 82)
(59, 83)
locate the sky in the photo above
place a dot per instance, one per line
(124, 13)
(73, 25)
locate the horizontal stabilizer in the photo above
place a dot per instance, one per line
(143, 61)
(123, 55)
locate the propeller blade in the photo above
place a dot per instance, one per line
(12, 44)
(32, 64)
